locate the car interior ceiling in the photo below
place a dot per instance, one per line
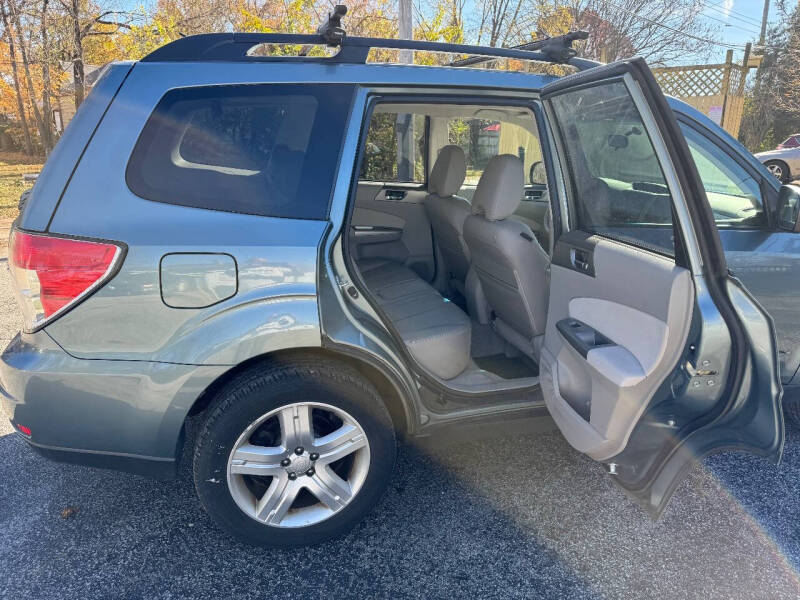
(475, 318)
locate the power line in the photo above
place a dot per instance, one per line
(673, 29)
(733, 14)
(752, 32)
(749, 26)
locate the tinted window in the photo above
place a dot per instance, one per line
(618, 188)
(734, 196)
(260, 149)
(395, 150)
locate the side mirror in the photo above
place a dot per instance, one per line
(789, 207)
(618, 142)
(537, 175)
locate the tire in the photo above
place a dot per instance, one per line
(337, 399)
(779, 169)
(791, 409)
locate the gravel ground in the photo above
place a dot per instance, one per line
(506, 517)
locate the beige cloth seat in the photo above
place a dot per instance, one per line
(510, 264)
(447, 213)
(436, 332)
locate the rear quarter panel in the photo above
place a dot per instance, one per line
(57, 171)
(276, 258)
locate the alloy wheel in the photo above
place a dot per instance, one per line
(776, 170)
(298, 465)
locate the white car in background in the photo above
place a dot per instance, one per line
(784, 161)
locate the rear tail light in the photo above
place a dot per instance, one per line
(52, 274)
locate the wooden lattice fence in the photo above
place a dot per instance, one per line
(715, 90)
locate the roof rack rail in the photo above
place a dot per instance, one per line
(235, 47)
(558, 49)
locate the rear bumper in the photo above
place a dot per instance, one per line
(125, 415)
(149, 466)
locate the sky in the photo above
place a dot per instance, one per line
(739, 22)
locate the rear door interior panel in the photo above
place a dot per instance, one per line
(613, 336)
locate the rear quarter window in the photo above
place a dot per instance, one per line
(265, 149)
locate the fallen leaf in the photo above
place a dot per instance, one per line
(69, 512)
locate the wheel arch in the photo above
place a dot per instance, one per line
(400, 408)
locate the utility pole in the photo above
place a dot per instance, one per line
(763, 37)
(404, 16)
(405, 122)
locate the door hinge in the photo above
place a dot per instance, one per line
(704, 372)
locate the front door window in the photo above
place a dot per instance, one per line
(734, 195)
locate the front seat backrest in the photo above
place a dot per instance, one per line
(510, 264)
(447, 213)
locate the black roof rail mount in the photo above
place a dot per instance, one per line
(560, 49)
(331, 30)
(235, 47)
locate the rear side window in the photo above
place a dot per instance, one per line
(267, 149)
(395, 148)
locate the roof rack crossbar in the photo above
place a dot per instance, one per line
(236, 47)
(558, 49)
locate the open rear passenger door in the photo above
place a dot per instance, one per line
(653, 355)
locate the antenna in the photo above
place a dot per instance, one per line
(331, 30)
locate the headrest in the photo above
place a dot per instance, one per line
(500, 188)
(448, 173)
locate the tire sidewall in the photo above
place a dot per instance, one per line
(784, 178)
(248, 399)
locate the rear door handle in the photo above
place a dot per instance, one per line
(395, 194)
(580, 260)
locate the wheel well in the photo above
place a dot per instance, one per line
(401, 415)
(782, 162)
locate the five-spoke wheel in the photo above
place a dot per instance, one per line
(294, 452)
(321, 451)
(778, 169)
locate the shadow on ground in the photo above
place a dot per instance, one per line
(519, 516)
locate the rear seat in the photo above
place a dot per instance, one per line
(436, 331)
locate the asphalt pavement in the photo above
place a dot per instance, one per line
(507, 516)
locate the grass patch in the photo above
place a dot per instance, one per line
(11, 186)
(12, 166)
(18, 158)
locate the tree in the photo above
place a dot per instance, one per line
(47, 89)
(499, 22)
(15, 77)
(444, 24)
(14, 9)
(661, 31)
(85, 23)
(772, 104)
